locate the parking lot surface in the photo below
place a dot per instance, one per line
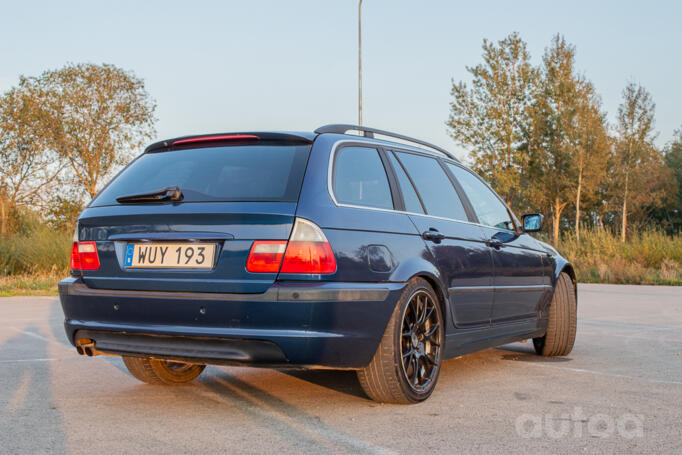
(619, 390)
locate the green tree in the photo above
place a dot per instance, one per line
(640, 172)
(590, 150)
(673, 158)
(28, 170)
(490, 117)
(96, 116)
(555, 135)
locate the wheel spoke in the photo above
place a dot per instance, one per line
(422, 312)
(428, 315)
(410, 352)
(430, 360)
(415, 366)
(432, 330)
(432, 341)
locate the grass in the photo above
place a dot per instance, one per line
(34, 262)
(36, 284)
(648, 257)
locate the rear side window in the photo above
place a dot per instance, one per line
(360, 178)
(488, 207)
(231, 173)
(434, 186)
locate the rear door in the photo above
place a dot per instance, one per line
(439, 213)
(234, 192)
(520, 275)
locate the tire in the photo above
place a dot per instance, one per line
(162, 372)
(387, 379)
(560, 335)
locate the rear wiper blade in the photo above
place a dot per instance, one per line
(171, 193)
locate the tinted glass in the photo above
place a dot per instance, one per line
(233, 173)
(434, 186)
(410, 197)
(488, 207)
(360, 178)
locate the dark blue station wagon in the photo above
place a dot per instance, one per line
(309, 250)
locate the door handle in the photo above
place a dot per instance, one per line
(433, 235)
(493, 243)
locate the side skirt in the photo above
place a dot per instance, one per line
(466, 341)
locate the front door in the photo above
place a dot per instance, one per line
(520, 276)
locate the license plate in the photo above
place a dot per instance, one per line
(170, 255)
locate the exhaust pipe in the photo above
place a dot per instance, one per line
(86, 346)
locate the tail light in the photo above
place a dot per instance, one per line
(306, 252)
(83, 255)
(266, 256)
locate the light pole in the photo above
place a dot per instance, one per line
(360, 63)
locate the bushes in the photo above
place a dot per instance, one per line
(40, 251)
(648, 257)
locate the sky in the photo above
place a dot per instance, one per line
(292, 65)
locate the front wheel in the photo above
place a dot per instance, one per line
(560, 336)
(165, 372)
(407, 363)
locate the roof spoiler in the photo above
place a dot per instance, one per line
(370, 132)
(212, 139)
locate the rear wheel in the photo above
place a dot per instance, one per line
(560, 336)
(407, 363)
(165, 372)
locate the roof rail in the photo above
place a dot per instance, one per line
(370, 132)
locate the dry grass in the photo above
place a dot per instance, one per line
(648, 257)
(37, 284)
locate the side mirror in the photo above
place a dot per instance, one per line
(532, 222)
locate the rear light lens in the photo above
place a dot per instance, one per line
(306, 252)
(266, 256)
(84, 256)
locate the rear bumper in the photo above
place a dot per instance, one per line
(335, 325)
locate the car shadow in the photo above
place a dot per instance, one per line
(525, 352)
(341, 381)
(301, 429)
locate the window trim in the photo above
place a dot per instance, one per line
(364, 143)
(409, 178)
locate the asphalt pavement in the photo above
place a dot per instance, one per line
(620, 390)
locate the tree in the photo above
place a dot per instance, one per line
(490, 118)
(590, 149)
(634, 147)
(95, 116)
(28, 170)
(673, 158)
(554, 134)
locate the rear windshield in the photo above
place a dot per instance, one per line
(231, 173)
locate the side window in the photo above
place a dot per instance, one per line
(410, 197)
(360, 178)
(434, 186)
(488, 207)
